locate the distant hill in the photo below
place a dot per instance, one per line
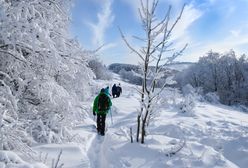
(117, 67)
(177, 66)
(132, 73)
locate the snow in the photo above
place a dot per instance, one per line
(214, 136)
(10, 159)
(72, 155)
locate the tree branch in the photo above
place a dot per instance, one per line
(9, 53)
(129, 46)
(178, 18)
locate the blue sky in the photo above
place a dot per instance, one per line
(219, 25)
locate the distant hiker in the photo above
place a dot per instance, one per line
(118, 90)
(106, 90)
(114, 91)
(101, 106)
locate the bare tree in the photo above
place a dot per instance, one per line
(158, 33)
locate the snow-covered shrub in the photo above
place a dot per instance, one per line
(196, 93)
(55, 109)
(169, 97)
(12, 132)
(11, 160)
(100, 71)
(188, 89)
(187, 105)
(212, 97)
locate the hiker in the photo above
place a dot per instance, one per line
(114, 91)
(101, 106)
(106, 90)
(118, 90)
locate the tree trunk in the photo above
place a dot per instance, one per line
(131, 134)
(138, 128)
(140, 114)
(144, 122)
(143, 132)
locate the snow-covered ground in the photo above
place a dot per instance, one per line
(209, 136)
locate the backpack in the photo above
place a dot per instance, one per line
(118, 89)
(103, 102)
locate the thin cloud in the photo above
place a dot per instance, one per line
(234, 36)
(108, 46)
(235, 41)
(190, 15)
(105, 19)
(235, 33)
(135, 5)
(181, 34)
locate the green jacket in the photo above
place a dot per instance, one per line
(95, 105)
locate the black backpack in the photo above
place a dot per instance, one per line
(103, 102)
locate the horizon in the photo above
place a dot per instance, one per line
(205, 25)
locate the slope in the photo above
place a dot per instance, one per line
(207, 136)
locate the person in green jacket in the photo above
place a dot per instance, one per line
(101, 106)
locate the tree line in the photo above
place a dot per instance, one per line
(225, 74)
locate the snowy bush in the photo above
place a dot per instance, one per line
(195, 93)
(12, 132)
(100, 71)
(212, 97)
(187, 105)
(11, 160)
(56, 109)
(188, 89)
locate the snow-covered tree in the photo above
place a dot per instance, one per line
(156, 43)
(223, 74)
(42, 69)
(99, 69)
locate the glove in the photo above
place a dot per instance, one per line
(94, 113)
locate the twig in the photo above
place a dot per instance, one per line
(58, 159)
(129, 46)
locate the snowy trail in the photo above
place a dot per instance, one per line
(215, 136)
(91, 152)
(123, 114)
(96, 152)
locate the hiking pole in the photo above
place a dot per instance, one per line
(111, 115)
(95, 120)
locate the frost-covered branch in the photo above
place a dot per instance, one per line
(129, 46)
(13, 55)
